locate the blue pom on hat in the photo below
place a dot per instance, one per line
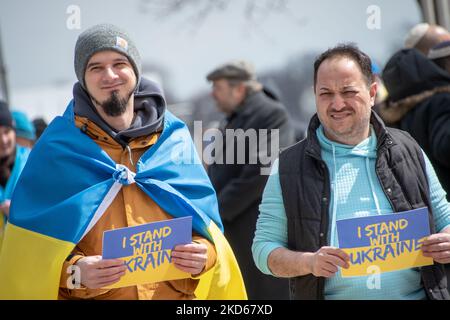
(24, 127)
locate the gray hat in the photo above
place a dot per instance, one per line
(104, 37)
(233, 70)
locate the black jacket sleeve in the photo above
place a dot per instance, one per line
(439, 129)
(244, 191)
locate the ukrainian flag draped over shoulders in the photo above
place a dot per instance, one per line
(66, 181)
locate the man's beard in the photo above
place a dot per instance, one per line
(114, 106)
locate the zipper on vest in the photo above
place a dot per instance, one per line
(388, 192)
(325, 206)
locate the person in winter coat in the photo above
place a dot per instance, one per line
(425, 36)
(419, 103)
(12, 160)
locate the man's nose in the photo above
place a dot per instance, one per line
(3, 139)
(109, 74)
(338, 102)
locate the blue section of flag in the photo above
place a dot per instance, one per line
(68, 175)
(349, 229)
(19, 162)
(114, 245)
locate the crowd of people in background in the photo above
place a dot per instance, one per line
(17, 137)
(281, 228)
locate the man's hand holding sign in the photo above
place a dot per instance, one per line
(390, 242)
(437, 246)
(148, 253)
(326, 260)
(190, 258)
(97, 273)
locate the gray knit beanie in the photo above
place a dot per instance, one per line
(104, 37)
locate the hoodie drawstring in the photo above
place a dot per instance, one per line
(334, 192)
(129, 154)
(335, 197)
(372, 188)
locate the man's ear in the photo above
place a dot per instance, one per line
(373, 92)
(242, 90)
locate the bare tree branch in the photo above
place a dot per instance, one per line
(254, 14)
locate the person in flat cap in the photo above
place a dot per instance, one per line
(25, 131)
(424, 36)
(108, 163)
(249, 110)
(419, 102)
(12, 160)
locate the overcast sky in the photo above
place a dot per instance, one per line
(38, 46)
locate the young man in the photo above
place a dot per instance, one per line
(109, 163)
(350, 165)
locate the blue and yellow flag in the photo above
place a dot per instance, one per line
(66, 184)
(6, 193)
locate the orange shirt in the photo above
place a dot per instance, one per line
(131, 207)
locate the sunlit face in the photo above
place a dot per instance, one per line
(110, 76)
(7, 141)
(344, 100)
(227, 97)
